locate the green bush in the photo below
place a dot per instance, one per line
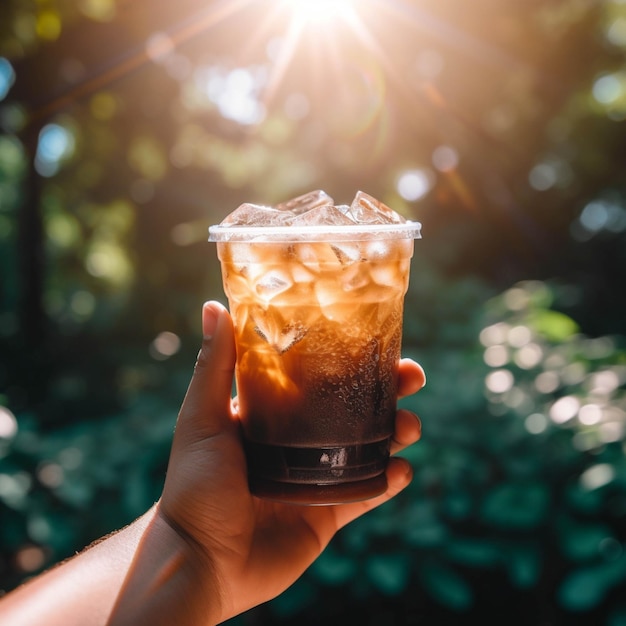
(517, 506)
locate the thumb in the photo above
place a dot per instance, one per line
(206, 411)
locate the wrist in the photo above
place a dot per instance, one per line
(170, 581)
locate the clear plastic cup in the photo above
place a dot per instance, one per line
(318, 316)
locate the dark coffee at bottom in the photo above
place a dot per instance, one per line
(318, 475)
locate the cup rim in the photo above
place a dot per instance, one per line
(221, 233)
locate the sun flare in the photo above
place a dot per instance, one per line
(319, 12)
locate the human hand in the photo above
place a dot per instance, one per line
(253, 548)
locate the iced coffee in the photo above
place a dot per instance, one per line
(316, 291)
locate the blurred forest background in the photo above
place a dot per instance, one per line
(129, 126)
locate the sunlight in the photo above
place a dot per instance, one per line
(319, 17)
(317, 12)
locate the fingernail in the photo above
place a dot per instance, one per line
(210, 314)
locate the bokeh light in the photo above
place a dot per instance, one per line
(564, 384)
(414, 184)
(30, 558)
(165, 345)
(499, 381)
(597, 476)
(236, 92)
(56, 143)
(445, 158)
(99, 10)
(8, 423)
(536, 423)
(7, 77)
(48, 25)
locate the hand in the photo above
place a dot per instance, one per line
(208, 550)
(253, 548)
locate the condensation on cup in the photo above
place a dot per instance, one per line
(316, 292)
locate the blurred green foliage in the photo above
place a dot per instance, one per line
(126, 128)
(517, 507)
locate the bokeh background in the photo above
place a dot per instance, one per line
(129, 126)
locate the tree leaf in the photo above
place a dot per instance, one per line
(553, 325)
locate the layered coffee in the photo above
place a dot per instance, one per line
(316, 292)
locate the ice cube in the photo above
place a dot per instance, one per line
(273, 283)
(365, 209)
(385, 275)
(305, 254)
(322, 216)
(246, 259)
(280, 335)
(341, 312)
(301, 274)
(240, 253)
(306, 202)
(398, 251)
(347, 253)
(315, 256)
(290, 335)
(355, 277)
(377, 250)
(327, 292)
(332, 301)
(256, 215)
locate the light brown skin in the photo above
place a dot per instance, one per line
(207, 550)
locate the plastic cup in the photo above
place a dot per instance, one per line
(318, 316)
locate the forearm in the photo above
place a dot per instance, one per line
(80, 591)
(143, 574)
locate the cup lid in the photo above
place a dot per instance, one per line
(312, 233)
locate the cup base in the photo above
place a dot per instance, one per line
(318, 475)
(318, 494)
